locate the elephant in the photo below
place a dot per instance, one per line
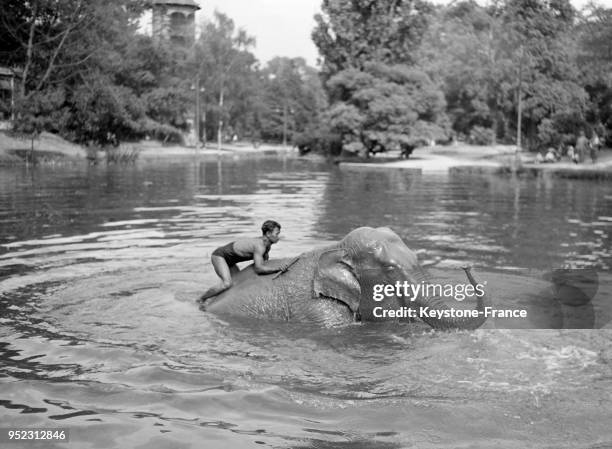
(333, 285)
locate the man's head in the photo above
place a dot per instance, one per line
(271, 230)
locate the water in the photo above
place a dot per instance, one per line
(99, 269)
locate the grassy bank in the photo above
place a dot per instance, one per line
(154, 149)
(47, 148)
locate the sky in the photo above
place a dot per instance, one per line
(283, 27)
(280, 27)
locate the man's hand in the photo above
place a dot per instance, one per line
(285, 267)
(282, 269)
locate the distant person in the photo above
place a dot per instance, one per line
(595, 145)
(539, 158)
(582, 145)
(571, 154)
(561, 151)
(595, 141)
(257, 249)
(551, 156)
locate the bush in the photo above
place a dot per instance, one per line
(561, 129)
(482, 136)
(548, 135)
(161, 131)
(318, 141)
(123, 154)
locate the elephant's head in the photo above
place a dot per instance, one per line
(367, 257)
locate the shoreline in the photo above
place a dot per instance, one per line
(50, 148)
(155, 150)
(15, 150)
(493, 160)
(466, 159)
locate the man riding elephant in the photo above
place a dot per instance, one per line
(336, 285)
(225, 258)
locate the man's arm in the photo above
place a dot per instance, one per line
(259, 265)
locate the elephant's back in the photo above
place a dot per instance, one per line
(246, 285)
(268, 296)
(249, 291)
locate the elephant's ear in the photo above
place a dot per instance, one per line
(334, 277)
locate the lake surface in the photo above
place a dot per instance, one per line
(99, 332)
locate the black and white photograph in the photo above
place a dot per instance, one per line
(317, 224)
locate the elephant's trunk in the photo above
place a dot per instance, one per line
(445, 320)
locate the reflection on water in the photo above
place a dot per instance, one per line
(493, 222)
(99, 268)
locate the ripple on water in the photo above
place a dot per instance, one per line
(100, 333)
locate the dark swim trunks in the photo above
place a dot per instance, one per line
(231, 256)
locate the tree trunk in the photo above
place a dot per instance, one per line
(220, 126)
(29, 51)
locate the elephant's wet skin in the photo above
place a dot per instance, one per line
(287, 297)
(333, 285)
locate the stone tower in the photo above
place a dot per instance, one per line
(174, 20)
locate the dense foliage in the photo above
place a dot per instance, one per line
(394, 74)
(380, 98)
(70, 55)
(87, 72)
(475, 65)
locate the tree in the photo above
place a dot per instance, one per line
(386, 107)
(160, 74)
(461, 51)
(351, 34)
(507, 69)
(379, 99)
(68, 52)
(52, 39)
(292, 99)
(594, 57)
(537, 41)
(227, 68)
